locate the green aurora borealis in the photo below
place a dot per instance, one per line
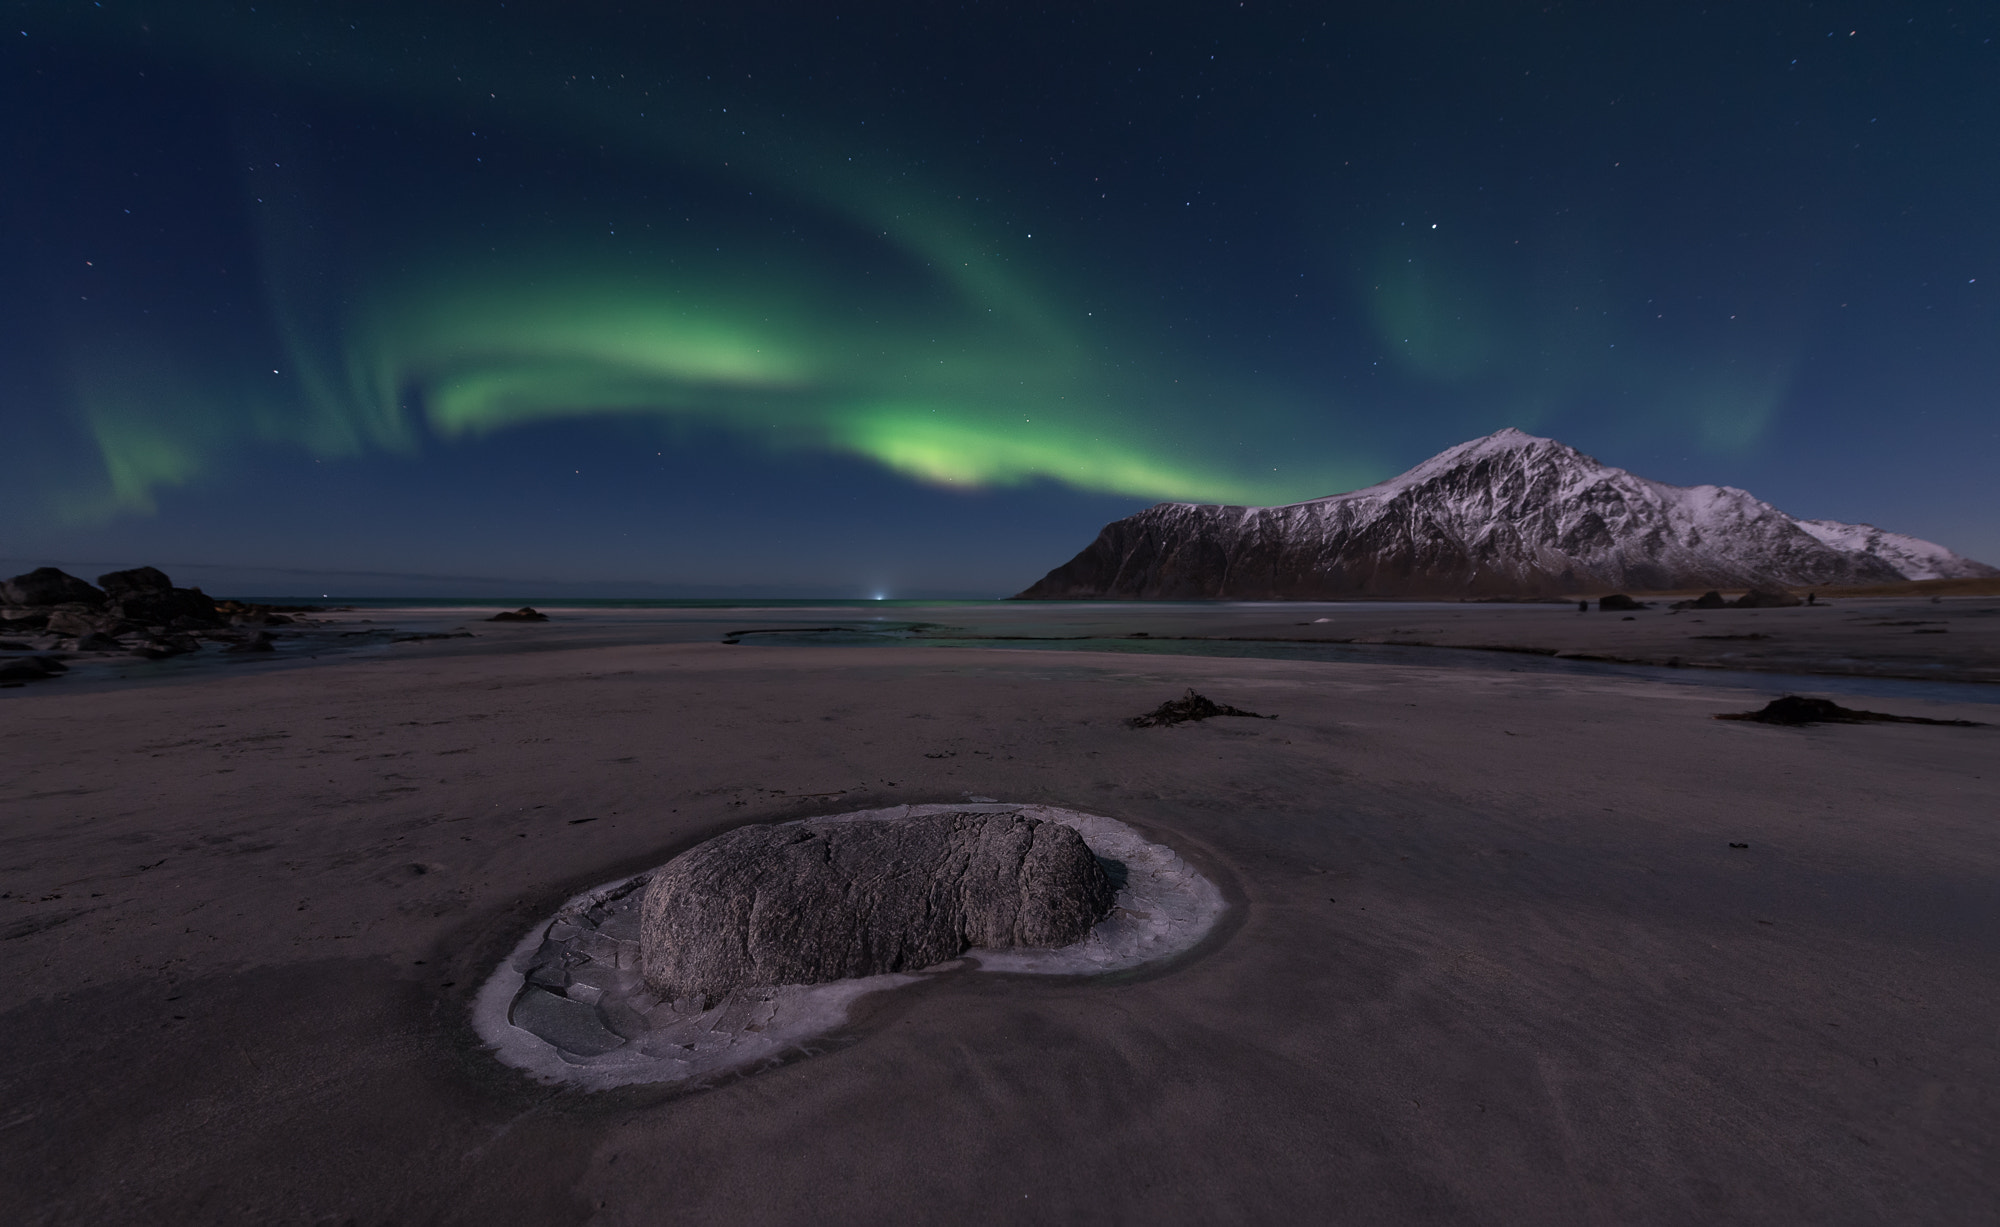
(964, 378)
(933, 340)
(969, 256)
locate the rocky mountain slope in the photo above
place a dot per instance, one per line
(1506, 515)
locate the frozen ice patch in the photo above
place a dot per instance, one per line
(569, 1004)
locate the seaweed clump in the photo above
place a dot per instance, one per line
(1796, 710)
(1190, 706)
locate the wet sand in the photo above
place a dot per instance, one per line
(1491, 955)
(1953, 639)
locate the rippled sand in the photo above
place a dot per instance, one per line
(1492, 953)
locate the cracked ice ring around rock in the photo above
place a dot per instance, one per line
(571, 1004)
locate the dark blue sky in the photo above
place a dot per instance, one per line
(911, 299)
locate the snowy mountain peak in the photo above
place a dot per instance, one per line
(1506, 439)
(1506, 446)
(1508, 514)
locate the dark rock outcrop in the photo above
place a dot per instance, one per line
(139, 581)
(526, 613)
(49, 586)
(1765, 598)
(80, 621)
(145, 595)
(1707, 600)
(129, 600)
(18, 669)
(161, 647)
(1618, 602)
(803, 903)
(1796, 710)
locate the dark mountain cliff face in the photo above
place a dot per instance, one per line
(1506, 515)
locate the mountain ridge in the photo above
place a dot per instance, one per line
(1507, 514)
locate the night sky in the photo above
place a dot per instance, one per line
(910, 299)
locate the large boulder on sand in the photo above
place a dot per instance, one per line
(803, 903)
(49, 586)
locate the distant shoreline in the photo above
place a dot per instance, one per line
(1952, 639)
(1911, 588)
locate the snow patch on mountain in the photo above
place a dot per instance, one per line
(1913, 556)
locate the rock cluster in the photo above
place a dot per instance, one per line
(137, 612)
(1765, 598)
(48, 586)
(808, 902)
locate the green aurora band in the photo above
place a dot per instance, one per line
(925, 333)
(966, 369)
(942, 396)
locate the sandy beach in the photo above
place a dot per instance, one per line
(1492, 953)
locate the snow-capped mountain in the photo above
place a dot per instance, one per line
(1506, 515)
(1915, 558)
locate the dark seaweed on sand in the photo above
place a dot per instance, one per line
(1797, 710)
(1190, 706)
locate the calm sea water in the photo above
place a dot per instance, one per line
(1146, 628)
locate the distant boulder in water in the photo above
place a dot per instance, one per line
(526, 613)
(1765, 598)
